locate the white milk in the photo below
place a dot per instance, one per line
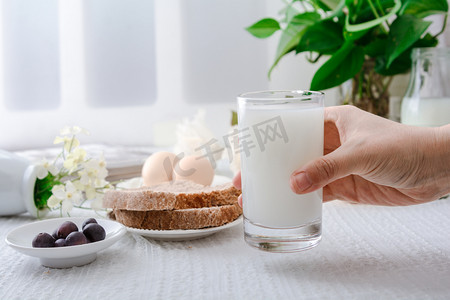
(268, 198)
(430, 112)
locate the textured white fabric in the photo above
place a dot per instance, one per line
(366, 253)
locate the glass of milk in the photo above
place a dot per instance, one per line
(279, 131)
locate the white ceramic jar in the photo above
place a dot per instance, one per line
(17, 181)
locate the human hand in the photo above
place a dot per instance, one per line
(372, 160)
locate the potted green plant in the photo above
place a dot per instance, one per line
(368, 41)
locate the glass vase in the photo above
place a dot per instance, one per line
(367, 90)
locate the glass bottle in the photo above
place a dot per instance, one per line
(427, 99)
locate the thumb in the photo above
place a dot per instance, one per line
(321, 171)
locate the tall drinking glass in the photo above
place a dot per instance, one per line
(279, 131)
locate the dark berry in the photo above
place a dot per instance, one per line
(65, 229)
(94, 232)
(76, 238)
(43, 240)
(60, 243)
(55, 234)
(88, 221)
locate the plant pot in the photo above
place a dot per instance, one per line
(17, 181)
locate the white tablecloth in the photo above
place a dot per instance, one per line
(366, 253)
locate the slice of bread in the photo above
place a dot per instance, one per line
(192, 218)
(173, 195)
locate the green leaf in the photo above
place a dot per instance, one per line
(264, 28)
(326, 5)
(355, 35)
(400, 65)
(422, 9)
(292, 34)
(376, 48)
(290, 11)
(343, 65)
(337, 10)
(427, 41)
(303, 19)
(372, 23)
(332, 4)
(405, 31)
(234, 118)
(324, 37)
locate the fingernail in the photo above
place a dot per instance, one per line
(240, 200)
(300, 182)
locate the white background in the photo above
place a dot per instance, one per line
(199, 56)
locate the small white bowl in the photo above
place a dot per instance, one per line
(21, 238)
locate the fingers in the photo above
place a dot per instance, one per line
(237, 181)
(323, 170)
(237, 184)
(339, 161)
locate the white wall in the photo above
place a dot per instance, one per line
(187, 75)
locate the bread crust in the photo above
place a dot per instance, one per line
(171, 196)
(192, 218)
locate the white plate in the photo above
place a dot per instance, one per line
(21, 238)
(183, 235)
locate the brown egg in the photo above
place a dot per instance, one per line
(158, 168)
(195, 168)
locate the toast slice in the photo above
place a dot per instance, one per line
(191, 218)
(180, 194)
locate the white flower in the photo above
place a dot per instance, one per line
(74, 130)
(44, 167)
(66, 206)
(68, 195)
(68, 137)
(78, 185)
(83, 178)
(53, 202)
(74, 158)
(91, 192)
(69, 142)
(94, 172)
